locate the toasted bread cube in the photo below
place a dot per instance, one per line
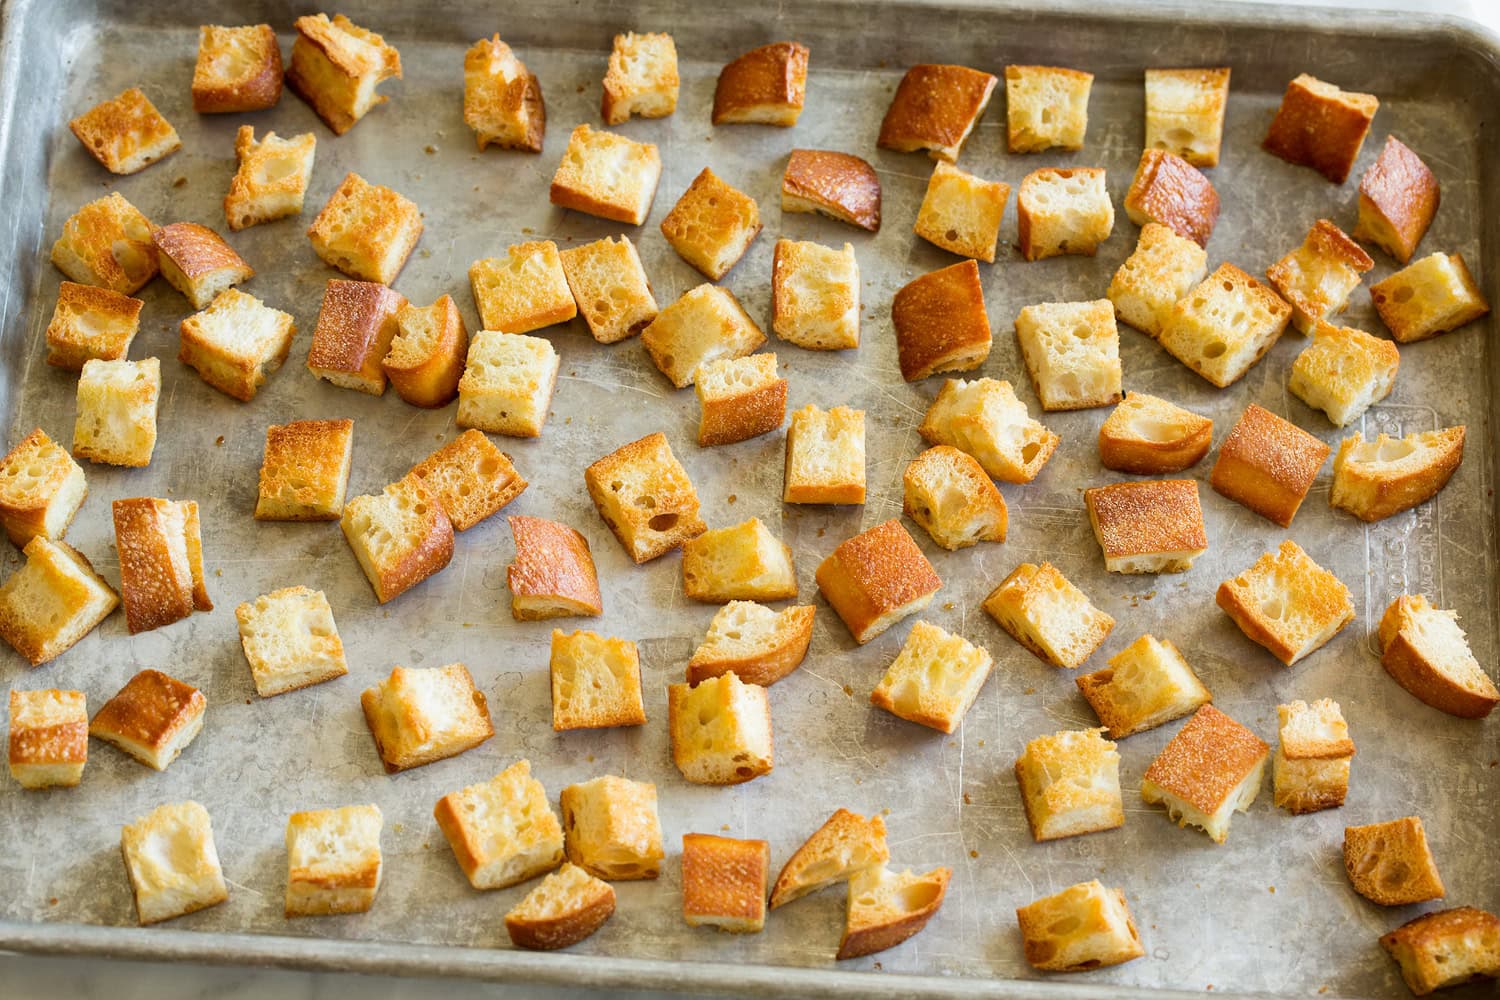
(1086, 926)
(612, 829)
(607, 175)
(1426, 652)
(825, 456)
(305, 470)
(1211, 768)
(712, 225)
(1072, 353)
(356, 325)
(502, 98)
(52, 601)
(642, 78)
(643, 493)
(1147, 527)
(41, 489)
(1445, 948)
(1070, 784)
(336, 66)
(706, 324)
(49, 738)
(238, 69)
(724, 882)
(1046, 107)
(526, 291)
(1063, 211)
(759, 644)
(961, 213)
(126, 133)
(1432, 296)
(197, 262)
(290, 640)
(844, 846)
(272, 177)
(1311, 768)
(1318, 277)
(739, 398)
(1287, 603)
(160, 546)
(1390, 863)
(947, 493)
(471, 478)
(1146, 684)
(1044, 612)
(89, 322)
(1171, 191)
(596, 682)
(427, 355)
(117, 401)
(333, 861)
(742, 563)
(1375, 479)
(1268, 464)
(885, 908)
(568, 906)
(935, 108)
(610, 287)
(837, 185)
(983, 418)
(1162, 270)
(934, 679)
(815, 296)
(418, 716)
(1398, 196)
(107, 243)
(1344, 372)
(1224, 325)
(1320, 126)
(765, 86)
(877, 578)
(1185, 112)
(502, 831)
(172, 862)
(366, 230)
(941, 325)
(507, 383)
(553, 575)
(152, 718)
(400, 536)
(1148, 436)
(721, 730)
(236, 343)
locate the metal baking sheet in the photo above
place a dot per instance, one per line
(1270, 912)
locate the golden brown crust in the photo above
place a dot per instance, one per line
(355, 326)
(35, 475)
(1432, 296)
(611, 288)
(1207, 760)
(1445, 948)
(48, 728)
(305, 470)
(1171, 447)
(553, 574)
(825, 456)
(1268, 464)
(539, 923)
(366, 230)
(607, 175)
(874, 575)
(412, 728)
(941, 325)
(426, 361)
(1310, 604)
(889, 922)
(1398, 196)
(326, 68)
(934, 108)
(126, 133)
(1426, 669)
(1047, 229)
(190, 253)
(1373, 490)
(90, 322)
(1171, 191)
(1320, 126)
(839, 185)
(740, 411)
(471, 478)
(1141, 520)
(238, 69)
(712, 225)
(502, 99)
(424, 547)
(845, 844)
(1093, 925)
(107, 242)
(764, 86)
(724, 882)
(156, 581)
(766, 663)
(150, 712)
(1390, 863)
(643, 493)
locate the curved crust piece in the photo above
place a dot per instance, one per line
(935, 108)
(568, 906)
(765, 86)
(838, 185)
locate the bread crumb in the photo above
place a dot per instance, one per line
(732, 498)
(849, 690)
(180, 182)
(219, 441)
(725, 827)
(968, 801)
(949, 606)
(1029, 691)
(1273, 890)
(589, 758)
(973, 854)
(527, 230)
(429, 149)
(886, 811)
(981, 742)
(218, 572)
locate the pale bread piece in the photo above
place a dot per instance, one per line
(553, 574)
(1046, 107)
(1432, 296)
(400, 536)
(1267, 464)
(1391, 864)
(1155, 526)
(523, 291)
(1287, 603)
(1149, 436)
(172, 862)
(611, 289)
(333, 861)
(107, 243)
(1212, 768)
(336, 66)
(940, 321)
(238, 69)
(236, 343)
(825, 456)
(765, 86)
(611, 828)
(745, 562)
(712, 225)
(842, 847)
(961, 212)
(1147, 684)
(1185, 112)
(935, 107)
(1398, 196)
(126, 133)
(290, 640)
(421, 715)
(271, 180)
(197, 262)
(305, 471)
(1169, 190)
(721, 730)
(738, 399)
(152, 718)
(1161, 270)
(428, 353)
(837, 185)
(1374, 479)
(159, 543)
(641, 79)
(52, 601)
(502, 98)
(91, 322)
(759, 644)
(1344, 372)
(1086, 926)
(815, 295)
(1318, 277)
(1224, 325)
(607, 175)
(983, 418)
(1063, 210)
(596, 682)
(41, 489)
(1320, 126)
(1311, 768)
(471, 478)
(366, 230)
(507, 384)
(1044, 612)
(947, 492)
(877, 578)
(724, 882)
(1445, 948)
(49, 738)
(885, 908)
(1426, 652)
(706, 323)
(356, 324)
(1070, 784)
(117, 404)
(643, 493)
(502, 831)
(566, 907)
(1072, 353)
(934, 679)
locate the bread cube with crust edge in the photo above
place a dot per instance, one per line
(1070, 784)
(1445, 948)
(1185, 112)
(845, 845)
(400, 536)
(877, 578)
(1212, 768)
(272, 177)
(305, 470)
(611, 828)
(366, 230)
(1318, 277)
(1046, 107)
(502, 98)
(1147, 684)
(1390, 863)
(336, 66)
(333, 860)
(641, 79)
(1224, 325)
(724, 882)
(825, 456)
(238, 69)
(1155, 526)
(418, 716)
(765, 86)
(41, 489)
(935, 107)
(126, 133)
(837, 185)
(107, 243)
(1268, 464)
(172, 862)
(568, 906)
(49, 738)
(89, 323)
(940, 321)
(721, 730)
(1162, 269)
(290, 640)
(502, 831)
(1311, 768)
(1287, 603)
(1320, 126)
(152, 718)
(885, 908)
(759, 644)
(1398, 196)
(1169, 190)
(1043, 611)
(52, 601)
(934, 679)
(596, 682)
(607, 175)
(1425, 651)
(1086, 926)
(1149, 436)
(236, 343)
(983, 418)
(947, 492)
(553, 574)
(643, 493)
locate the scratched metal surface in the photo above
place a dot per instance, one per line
(1269, 912)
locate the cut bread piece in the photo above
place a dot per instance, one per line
(934, 679)
(1224, 325)
(305, 471)
(1146, 684)
(1070, 784)
(160, 547)
(49, 738)
(1148, 527)
(333, 862)
(197, 262)
(502, 98)
(1445, 948)
(759, 644)
(1311, 768)
(947, 492)
(1268, 464)
(117, 405)
(290, 640)
(172, 862)
(1287, 603)
(596, 682)
(89, 322)
(643, 493)
(738, 399)
(41, 489)
(1344, 372)
(1320, 126)
(426, 359)
(271, 180)
(126, 133)
(844, 846)
(1185, 112)
(356, 325)
(1432, 296)
(839, 185)
(523, 291)
(935, 107)
(152, 718)
(238, 69)
(1048, 615)
(1148, 436)
(607, 175)
(886, 907)
(1086, 926)
(107, 243)
(1398, 196)
(815, 296)
(877, 578)
(366, 230)
(611, 827)
(1391, 864)
(724, 882)
(825, 456)
(400, 536)
(1072, 353)
(642, 78)
(1374, 479)
(502, 831)
(1426, 652)
(336, 66)
(721, 730)
(961, 213)
(1318, 277)
(765, 86)
(712, 225)
(236, 343)
(418, 716)
(553, 575)
(52, 601)
(568, 906)
(1046, 107)
(705, 324)
(471, 478)
(1063, 210)
(1169, 190)
(983, 418)
(1212, 768)
(1163, 268)
(611, 289)
(507, 385)
(742, 563)
(940, 322)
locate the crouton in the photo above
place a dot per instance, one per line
(825, 456)
(838, 185)
(1224, 325)
(507, 384)
(305, 471)
(1432, 296)
(885, 908)
(471, 478)
(1287, 603)
(126, 134)
(1398, 196)
(643, 493)
(1044, 612)
(356, 324)
(765, 86)
(1344, 372)
(612, 829)
(1070, 784)
(1391, 864)
(1317, 278)
(41, 489)
(107, 243)
(1072, 353)
(333, 862)
(172, 862)
(610, 287)
(366, 230)
(759, 644)
(1320, 126)
(90, 323)
(1311, 768)
(238, 69)
(1163, 268)
(553, 574)
(1148, 436)
(152, 718)
(983, 418)
(427, 355)
(1171, 191)
(1268, 464)
(418, 716)
(934, 679)
(712, 225)
(1426, 652)
(271, 180)
(1212, 768)
(400, 536)
(525, 291)
(739, 398)
(159, 543)
(742, 563)
(1445, 948)
(642, 78)
(117, 403)
(607, 175)
(705, 324)
(941, 325)
(502, 831)
(596, 682)
(815, 296)
(1374, 479)
(336, 66)
(52, 601)
(1046, 107)
(1185, 112)
(502, 98)
(1146, 684)
(935, 107)
(1063, 211)
(49, 738)
(877, 578)
(947, 492)
(568, 906)
(290, 640)
(842, 847)
(721, 730)
(1147, 527)
(236, 343)
(1086, 926)
(724, 882)
(961, 213)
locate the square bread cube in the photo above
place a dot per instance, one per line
(471, 478)
(305, 470)
(1146, 684)
(1072, 353)
(160, 547)
(1086, 926)
(1445, 948)
(426, 359)
(523, 292)
(815, 296)
(236, 343)
(271, 179)
(836, 185)
(107, 243)
(336, 66)
(1163, 268)
(290, 640)
(1212, 768)
(400, 536)
(1390, 863)
(935, 107)
(507, 384)
(941, 325)
(90, 322)
(553, 575)
(759, 644)
(52, 601)
(643, 493)
(596, 682)
(1044, 612)
(172, 862)
(947, 492)
(885, 908)
(765, 86)
(1432, 296)
(49, 738)
(1318, 277)
(742, 563)
(985, 419)
(877, 578)
(607, 175)
(611, 828)
(152, 718)
(825, 456)
(502, 831)
(1046, 107)
(1154, 526)
(724, 882)
(1344, 372)
(1425, 651)
(333, 862)
(418, 716)
(1070, 784)
(961, 213)
(566, 907)
(1148, 436)
(1311, 768)
(721, 730)
(610, 286)
(1171, 191)
(502, 98)
(117, 402)
(712, 225)
(1287, 603)
(238, 69)
(356, 324)
(41, 489)
(126, 133)
(739, 398)
(1224, 325)
(706, 324)
(1383, 476)
(641, 79)
(197, 262)
(1320, 126)
(842, 847)
(1398, 196)
(934, 679)
(1185, 112)
(366, 230)
(1267, 464)
(1063, 210)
